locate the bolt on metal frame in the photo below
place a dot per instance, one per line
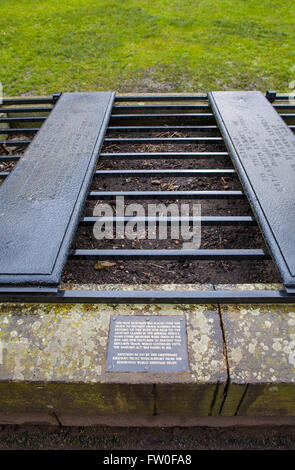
(189, 115)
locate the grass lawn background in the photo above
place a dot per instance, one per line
(139, 45)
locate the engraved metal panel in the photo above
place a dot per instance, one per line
(41, 200)
(262, 148)
(147, 344)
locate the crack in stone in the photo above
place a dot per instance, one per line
(225, 352)
(54, 415)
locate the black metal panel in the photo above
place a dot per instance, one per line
(41, 200)
(262, 148)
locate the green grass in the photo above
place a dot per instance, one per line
(139, 45)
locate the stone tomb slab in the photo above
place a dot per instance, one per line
(54, 361)
(260, 343)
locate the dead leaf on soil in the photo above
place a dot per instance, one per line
(103, 265)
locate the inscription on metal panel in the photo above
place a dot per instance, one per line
(263, 150)
(147, 344)
(41, 199)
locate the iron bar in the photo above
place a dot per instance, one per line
(201, 116)
(284, 106)
(168, 194)
(287, 116)
(157, 107)
(205, 220)
(165, 140)
(14, 101)
(168, 172)
(12, 143)
(162, 128)
(142, 98)
(217, 296)
(170, 254)
(147, 155)
(282, 97)
(22, 130)
(26, 110)
(9, 158)
(18, 290)
(23, 119)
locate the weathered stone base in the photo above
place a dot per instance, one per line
(260, 344)
(241, 360)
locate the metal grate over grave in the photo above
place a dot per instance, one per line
(42, 208)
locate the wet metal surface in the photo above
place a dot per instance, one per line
(41, 200)
(262, 148)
